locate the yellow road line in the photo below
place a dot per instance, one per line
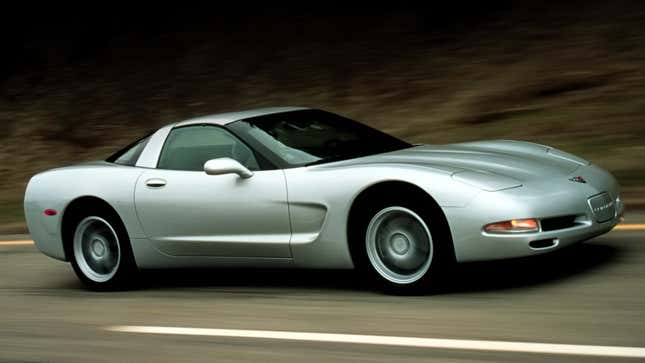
(630, 227)
(16, 243)
(620, 227)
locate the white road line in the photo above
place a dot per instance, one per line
(481, 345)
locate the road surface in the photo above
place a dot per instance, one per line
(590, 297)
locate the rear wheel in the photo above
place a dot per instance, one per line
(101, 253)
(405, 246)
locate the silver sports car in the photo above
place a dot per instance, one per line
(305, 188)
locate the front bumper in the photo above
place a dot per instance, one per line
(545, 200)
(495, 246)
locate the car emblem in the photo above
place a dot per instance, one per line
(578, 179)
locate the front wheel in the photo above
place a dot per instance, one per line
(406, 248)
(101, 254)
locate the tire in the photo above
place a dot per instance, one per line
(403, 246)
(100, 251)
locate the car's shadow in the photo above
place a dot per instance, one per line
(524, 272)
(469, 277)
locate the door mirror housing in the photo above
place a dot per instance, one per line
(221, 166)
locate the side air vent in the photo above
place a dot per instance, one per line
(556, 223)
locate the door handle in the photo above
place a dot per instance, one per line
(155, 183)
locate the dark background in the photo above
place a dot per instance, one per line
(79, 83)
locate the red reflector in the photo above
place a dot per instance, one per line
(50, 212)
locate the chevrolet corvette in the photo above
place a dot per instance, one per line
(305, 188)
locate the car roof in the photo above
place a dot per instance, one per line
(226, 118)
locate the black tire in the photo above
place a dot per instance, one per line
(123, 274)
(442, 256)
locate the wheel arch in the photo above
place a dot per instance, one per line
(75, 209)
(403, 189)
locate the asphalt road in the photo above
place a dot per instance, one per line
(592, 294)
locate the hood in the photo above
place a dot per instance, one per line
(520, 160)
(498, 164)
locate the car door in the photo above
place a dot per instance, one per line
(185, 212)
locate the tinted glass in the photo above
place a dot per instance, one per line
(130, 154)
(190, 147)
(309, 137)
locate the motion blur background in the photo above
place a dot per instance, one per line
(79, 87)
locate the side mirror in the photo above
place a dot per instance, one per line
(222, 166)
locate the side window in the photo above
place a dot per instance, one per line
(189, 147)
(130, 154)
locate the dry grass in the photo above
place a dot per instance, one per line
(574, 82)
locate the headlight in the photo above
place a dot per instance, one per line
(486, 181)
(567, 156)
(513, 226)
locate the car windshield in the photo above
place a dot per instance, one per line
(308, 137)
